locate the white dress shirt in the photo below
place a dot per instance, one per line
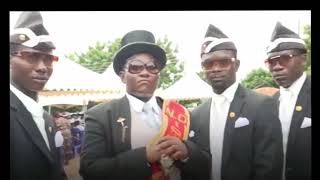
(288, 98)
(218, 115)
(35, 109)
(138, 105)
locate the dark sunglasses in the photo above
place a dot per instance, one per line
(222, 63)
(137, 66)
(35, 57)
(282, 59)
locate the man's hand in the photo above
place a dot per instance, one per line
(153, 152)
(172, 147)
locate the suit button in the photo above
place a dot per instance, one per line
(288, 170)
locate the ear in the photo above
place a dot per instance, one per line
(237, 64)
(123, 78)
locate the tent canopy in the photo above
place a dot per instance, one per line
(70, 76)
(190, 86)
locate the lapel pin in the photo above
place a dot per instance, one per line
(22, 37)
(232, 114)
(50, 129)
(121, 120)
(298, 108)
(124, 128)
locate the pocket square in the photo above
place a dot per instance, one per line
(191, 134)
(306, 122)
(241, 121)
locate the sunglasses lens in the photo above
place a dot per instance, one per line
(282, 59)
(152, 68)
(136, 67)
(209, 64)
(34, 57)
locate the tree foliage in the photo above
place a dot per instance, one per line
(99, 57)
(307, 40)
(258, 78)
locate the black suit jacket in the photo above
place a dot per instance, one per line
(30, 157)
(105, 156)
(252, 152)
(298, 157)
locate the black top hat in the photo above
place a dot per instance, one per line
(138, 41)
(29, 31)
(283, 38)
(216, 40)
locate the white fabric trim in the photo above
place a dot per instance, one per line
(33, 38)
(215, 42)
(275, 43)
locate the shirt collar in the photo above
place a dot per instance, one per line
(32, 106)
(229, 92)
(137, 104)
(295, 86)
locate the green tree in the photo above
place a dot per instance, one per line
(173, 70)
(202, 76)
(258, 78)
(307, 40)
(99, 57)
(96, 58)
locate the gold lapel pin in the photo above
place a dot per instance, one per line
(22, 37)
(298, 108)
(232, 114)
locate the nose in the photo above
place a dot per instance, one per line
(277, 66)
(144, 72)
(42, 66)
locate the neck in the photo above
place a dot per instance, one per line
(33, 95)
(141, 97)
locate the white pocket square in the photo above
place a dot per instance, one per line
(306, 122)
(241, 121)
(191, 134)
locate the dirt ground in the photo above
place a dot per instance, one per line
(72, 169)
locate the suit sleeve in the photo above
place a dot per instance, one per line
(198, 165)
(98, 161)
(268, 153)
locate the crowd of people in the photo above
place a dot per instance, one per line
(69, 135)
(236, 134)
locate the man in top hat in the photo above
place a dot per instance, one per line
(118, 133)
(239, 126)
(286, 61)
(33, 154)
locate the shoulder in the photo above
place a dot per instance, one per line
(255, 98)
(204, 105)
(101, 109)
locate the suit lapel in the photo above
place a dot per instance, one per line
(297, 116)
(233, 114)
(26, 121)
(205, 125)
(276, 97)
(122, 111)
(50, 133)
